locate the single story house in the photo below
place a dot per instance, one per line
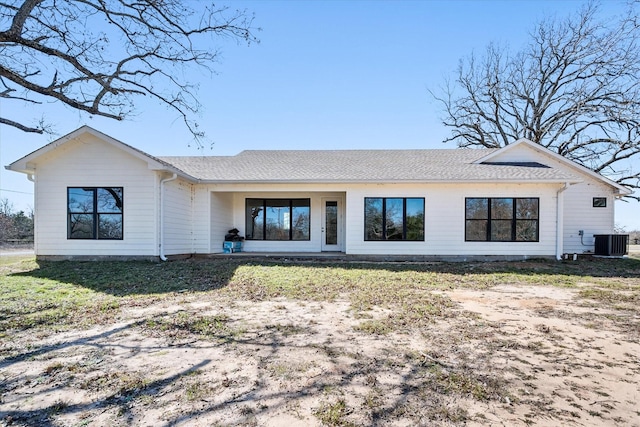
(98, 197)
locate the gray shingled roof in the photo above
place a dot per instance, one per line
(360, 166)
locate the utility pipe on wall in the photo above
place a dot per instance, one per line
(560, 221)
(31, 177)
(164, 181)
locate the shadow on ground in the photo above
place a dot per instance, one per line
(122, 278)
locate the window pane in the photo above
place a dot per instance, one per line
(278, 219)
(110, 226)
(476, 230)
(526, 208)
(300, 220)
(373, 219)
(501, 208)
(394, 219)
(526, 231)
(84, 222)
(331, 223)
(477, 208)
(501, 230)
(415, 219)
(80, 226)
(80, 200)
(110, 200)
(255, 219)
(599, 202)
(503, 226)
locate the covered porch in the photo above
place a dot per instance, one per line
(279, 222)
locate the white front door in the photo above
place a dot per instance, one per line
(331, 225)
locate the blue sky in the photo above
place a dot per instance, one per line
(326, 75)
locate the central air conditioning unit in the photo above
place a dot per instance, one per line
(611, 244)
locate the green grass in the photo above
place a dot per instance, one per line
(29, 301)
(612, 296)
(73, 294)
(198, 390)
(334, 414)
(182, 324)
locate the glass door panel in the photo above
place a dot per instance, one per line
(331, 223)
(331, 228)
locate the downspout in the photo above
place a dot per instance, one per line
(31, 177)
(560, 220)
(173, 177)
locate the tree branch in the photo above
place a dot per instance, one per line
(575, 89)
(69, 51)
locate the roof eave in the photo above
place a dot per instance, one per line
(22, 169)
(397, 181)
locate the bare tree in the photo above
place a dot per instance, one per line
(6, 207)
(98, 56)
(575, 89)
(14, 225)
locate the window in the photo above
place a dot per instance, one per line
(393, 218)
(94, 213)
(501, 219)
(278, 219)
(599, 202)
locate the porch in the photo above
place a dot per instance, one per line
(276, 223)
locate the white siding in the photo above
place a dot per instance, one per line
(222, 219)
(201, 218)
(579, 213)
(178, 219)
(444, 212)
(521, 153)
(92, 163)
(445, 220)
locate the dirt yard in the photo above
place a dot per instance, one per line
(508, 355)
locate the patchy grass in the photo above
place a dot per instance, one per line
(183, 325)
(125, 384)
(13, 260)
(394, 340)
(334, 414)
(612, 296)
(375, 327)
(63, 294)
(198, 390)
(31, 301)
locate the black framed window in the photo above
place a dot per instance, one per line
(393, 218)
(95, 213)
(599, 202)
(278, 219)
(501, 219)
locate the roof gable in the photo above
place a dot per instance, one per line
(27, 163)
(540, 152)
